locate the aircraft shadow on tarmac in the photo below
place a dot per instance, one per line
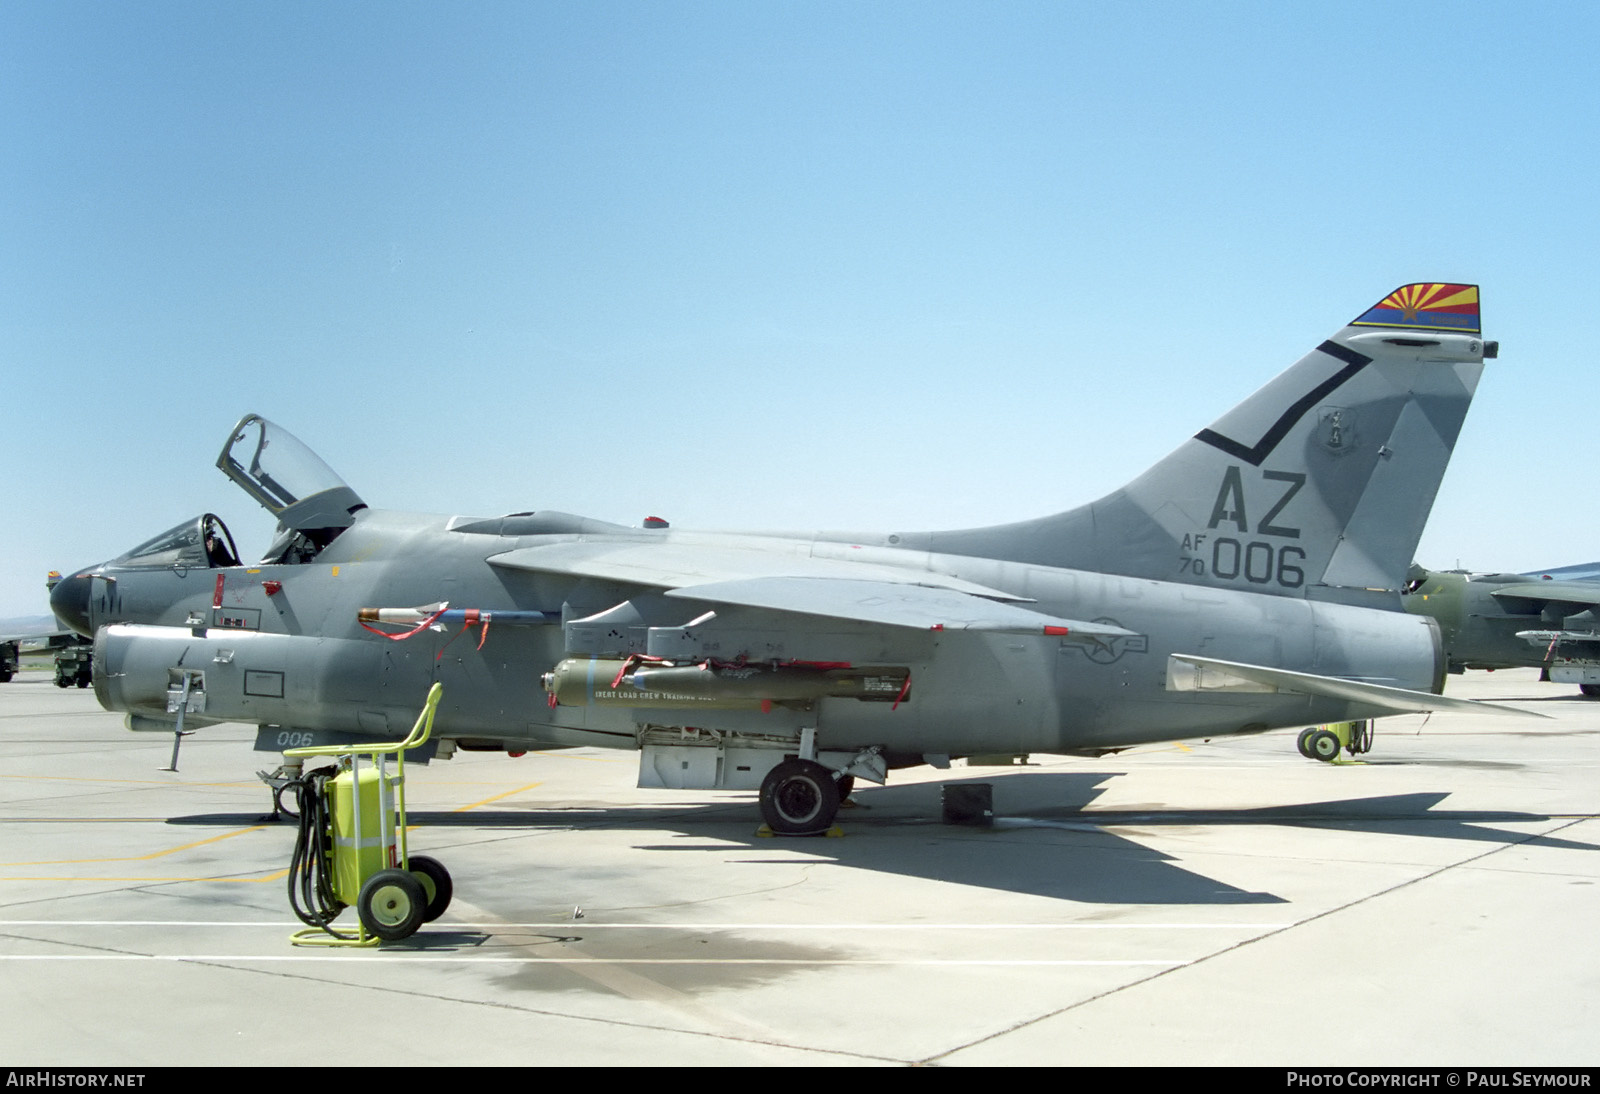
(1045, 840)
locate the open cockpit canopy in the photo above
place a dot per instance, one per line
(289, 480)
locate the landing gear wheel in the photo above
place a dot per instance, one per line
(82, 683)
(436, 885)
(1304, 743)
(846, 784)
(63, 682)
(391, 904)
(799, 797)
(1591, 690)
(1324, 746)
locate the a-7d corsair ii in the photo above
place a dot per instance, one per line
(1549, 620)
(1248, 581)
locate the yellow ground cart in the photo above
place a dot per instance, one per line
(351, 849)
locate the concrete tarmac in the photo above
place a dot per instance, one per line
(1222, 902)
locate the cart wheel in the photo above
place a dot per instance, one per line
(1304, 743)
(391, 904)
(436, 886)
(1324, 746)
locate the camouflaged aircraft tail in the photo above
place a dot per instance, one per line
(1318, 485)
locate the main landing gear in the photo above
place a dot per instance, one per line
(801, 797)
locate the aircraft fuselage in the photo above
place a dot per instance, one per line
(296, 657)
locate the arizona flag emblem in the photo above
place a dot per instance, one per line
(1426, 307)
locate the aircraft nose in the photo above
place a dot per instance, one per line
(70, 601)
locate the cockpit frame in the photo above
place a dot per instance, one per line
(198, 543)
(288, 479)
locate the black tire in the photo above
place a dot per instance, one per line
(436, 885)
(63, 682)
(1361, 738)
(846, 785)
(292, 809)
(799, 797)
(1591, 690)
(1304, 743)
(391, 905)
(1324, 746)
(82, 683)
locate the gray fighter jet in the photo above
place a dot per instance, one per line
(1249, 581)
(1548, 620)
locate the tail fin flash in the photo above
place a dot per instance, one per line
(1318, 485)
(1426, 307)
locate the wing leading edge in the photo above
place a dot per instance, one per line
(674, 566)
(1581, 594)
(890, 604)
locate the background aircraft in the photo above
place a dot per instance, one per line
(73, 655)
(1549, 619)
(72, 650)
(1248, 581)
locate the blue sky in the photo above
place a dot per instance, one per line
(766, 265)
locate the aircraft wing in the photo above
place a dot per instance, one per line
(674, 566)
(55, 638)
(1583, 571)
(896, 605)
(1189, 672)
(796, 582)
(1583, 594)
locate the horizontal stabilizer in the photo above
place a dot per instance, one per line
(891, 604)
(1188, 672)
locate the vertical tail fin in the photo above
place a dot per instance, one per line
(1318, 485)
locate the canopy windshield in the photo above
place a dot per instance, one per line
(202, 541)
(271, 465)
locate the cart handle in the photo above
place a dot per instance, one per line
(418, 735)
